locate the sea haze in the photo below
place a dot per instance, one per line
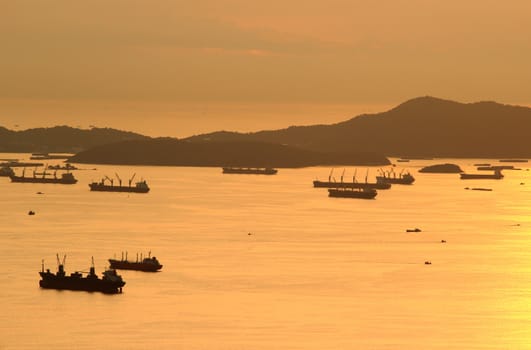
(314, 272)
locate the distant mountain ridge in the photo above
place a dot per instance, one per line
(422, 127)
(61, 139)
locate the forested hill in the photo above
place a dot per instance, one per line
(61, 139)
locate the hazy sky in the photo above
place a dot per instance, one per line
(182, 67)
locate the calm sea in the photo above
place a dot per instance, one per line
(315, 273)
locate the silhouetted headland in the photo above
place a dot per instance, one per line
(423, 127)
(61, 139)
(244, 154)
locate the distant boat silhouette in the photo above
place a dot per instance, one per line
(140, 186)
(497, 176)
(363, 193)
(149, 264)
(258, 171)
(353, 184)
(392, 178)
(65, 179)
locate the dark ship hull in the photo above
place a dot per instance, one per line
(77, 282)
(256, 171)
(44, 180)
(110, 283)
(481, 176)
(139, 266)
(404, 180)
(346, 193)
(109, 188)
(362, 185)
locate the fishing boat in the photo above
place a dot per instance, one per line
(44, 178)
(497, 175)
(331, 183)
(110, 283)
(392, 178)
(256, 171)
(140, 186)
(149, 264)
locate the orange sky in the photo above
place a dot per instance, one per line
(176, 68)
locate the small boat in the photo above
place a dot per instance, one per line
(43, 178)
(149, 264)
(496, 176)
(413, 230)
(140, 186)
(363, 193)
(110, 283)
(392, 178)
(256, 171)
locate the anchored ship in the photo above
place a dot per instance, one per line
(65, 179)
(496, 176)
(363, 193)
(140, 186)
(392, 178)
(331, 183)
(149, 264)
(259, 171)
(110, 283)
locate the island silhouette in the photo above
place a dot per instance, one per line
(422, 127)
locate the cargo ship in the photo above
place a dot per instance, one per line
(110, 283)
(149, 264)
(257, 171)
(43, 178)
(392, 178)
(331, 183)
(365, 193)
(140, 186)
(496, 176)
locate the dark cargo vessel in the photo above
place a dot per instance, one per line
(43, 178)
(110, 283)
(392, 178)
(365, 193)
(149, 264)
(257, 171)
(140, 186)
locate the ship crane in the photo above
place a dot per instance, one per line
(110, 180)
(330, 175)
(131, 179)
(342, 174)
(119, 180)
(354, 177)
